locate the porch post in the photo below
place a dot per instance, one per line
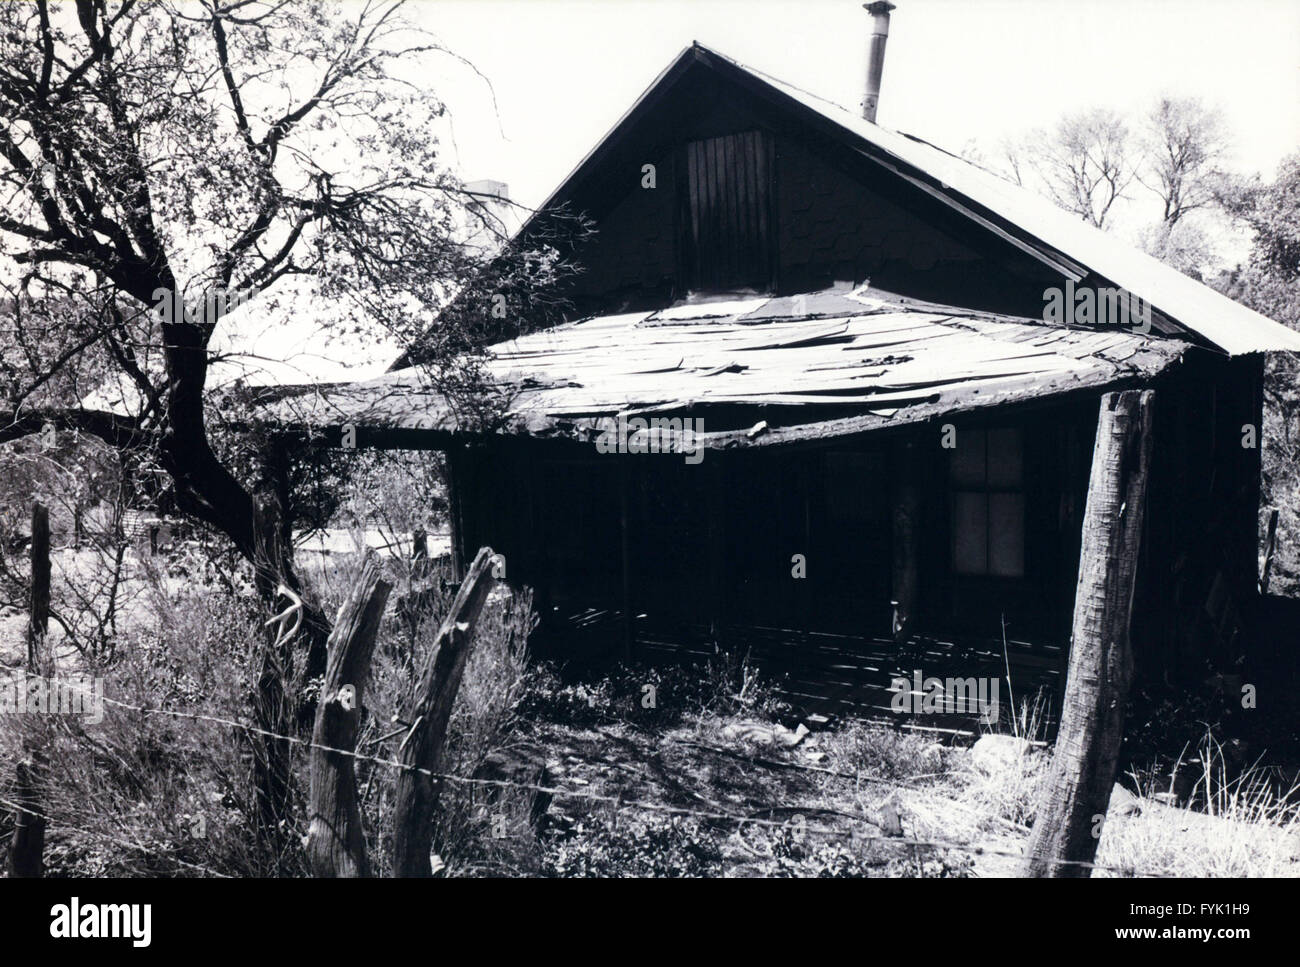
(455, 455)
(906, 514)
(625, 501)
(714, 483)
(1077, 787)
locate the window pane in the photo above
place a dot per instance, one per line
(1006, 458)
(968, 458)
(1007, 535)
(969, 533)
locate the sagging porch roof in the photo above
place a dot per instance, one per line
(817, 366)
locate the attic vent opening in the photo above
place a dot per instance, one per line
(728, 230)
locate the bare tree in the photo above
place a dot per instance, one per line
(1184, 143)
(1013, 153)
(1084, 164)
(156, 158)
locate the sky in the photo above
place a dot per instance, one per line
(563, 72)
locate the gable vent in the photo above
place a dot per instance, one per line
(727, 230)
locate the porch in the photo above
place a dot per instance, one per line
(827, 675)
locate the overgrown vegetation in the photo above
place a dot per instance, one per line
(556, 774)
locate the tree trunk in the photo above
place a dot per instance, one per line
(207, 491)
(336, 842)
(27, 848)
(417, 791)
(1076, 790)
(38, 618)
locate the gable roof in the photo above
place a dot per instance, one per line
(1032, 223)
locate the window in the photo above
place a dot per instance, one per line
(727, 231)
(986, 474)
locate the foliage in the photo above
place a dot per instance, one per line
(597, 846)
(651, 695)
(175, 168)
(82, 484)
(1270, 284)
(157, 794)
(800, 855)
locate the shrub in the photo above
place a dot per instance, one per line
(652, 846)
(157, 794)
(651, 695)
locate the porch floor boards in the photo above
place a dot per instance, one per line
(836, 675)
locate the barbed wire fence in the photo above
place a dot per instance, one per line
(717, 814)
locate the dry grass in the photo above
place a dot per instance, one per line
(155, 794)
(1006, 787)
(1242, 827)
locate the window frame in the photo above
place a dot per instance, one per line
(987, 490)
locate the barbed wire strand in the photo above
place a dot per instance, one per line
(59, 823)
(617, 801)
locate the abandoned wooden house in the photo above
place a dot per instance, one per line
(873, 439)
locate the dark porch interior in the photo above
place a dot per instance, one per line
(823, 674)
(791, 556)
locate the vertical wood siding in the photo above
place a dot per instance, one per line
(727, 236)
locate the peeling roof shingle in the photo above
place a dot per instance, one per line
(733, 364)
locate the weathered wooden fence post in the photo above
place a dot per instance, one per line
(1077, 787)
(27, 848)
(336, 842)
(38, 621)
(417, 791)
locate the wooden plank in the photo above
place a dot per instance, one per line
(906, 526)
(27, 845)
(458, 468)
(716, 509)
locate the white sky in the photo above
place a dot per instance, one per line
(955, 70)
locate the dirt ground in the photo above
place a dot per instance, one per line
(751, 789)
